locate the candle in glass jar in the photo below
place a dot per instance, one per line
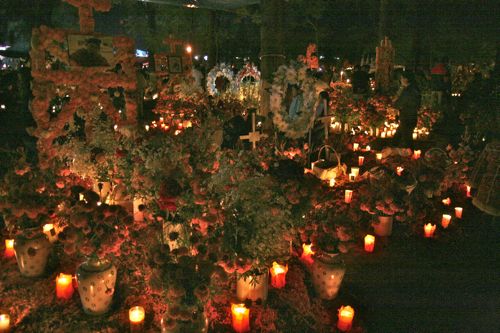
(355, 146)
(445, 220)
(307, 254)
(4, 323)
(429, 230)
(369, 243)
(50, 231)
(361, 160)
(355, 171)
(136, 316)
(9, 248)
(379, 157)
(399, 170)
(458, 212)
(278, 275)
(416, 154)
(64, 286)
(240, 318)
(346, 315)
(348, 196)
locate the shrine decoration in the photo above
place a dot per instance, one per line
(221, 72)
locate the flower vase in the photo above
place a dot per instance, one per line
(384, 226)
(96, 285)
(199, 324)
(32, 249)
(252, 287)
(327, 272)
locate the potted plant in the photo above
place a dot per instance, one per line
(29, 198)
(95, 231)
(383, 197)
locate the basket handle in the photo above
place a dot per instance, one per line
(334, 151)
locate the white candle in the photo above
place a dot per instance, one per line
(355, 171)
(355, 146)
(332, 182)
(458, 212)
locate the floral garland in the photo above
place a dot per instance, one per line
(250, 70)
(220, 70)
(295, 74)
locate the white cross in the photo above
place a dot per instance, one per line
(253, 136)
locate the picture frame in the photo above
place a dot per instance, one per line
(90, 50)
(174, 64)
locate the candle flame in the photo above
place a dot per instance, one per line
(278, 269)
(136, 314)
(239, 308)
(307, 249)
(9, 243)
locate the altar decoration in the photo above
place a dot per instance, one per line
(221, 81)
(248, 85)
(285, 77)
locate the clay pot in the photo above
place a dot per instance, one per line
(32, 250)
(327, 272)
(384, 226)
(96, 285)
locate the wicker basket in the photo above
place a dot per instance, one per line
(328, 172)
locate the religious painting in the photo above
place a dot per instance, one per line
(174, 65)
(90, 51)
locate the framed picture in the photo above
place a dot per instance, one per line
(90, 51)
(174, 64)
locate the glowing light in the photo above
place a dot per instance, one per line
(189, 49)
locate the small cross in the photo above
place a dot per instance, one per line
(253, 136)
(85, 12)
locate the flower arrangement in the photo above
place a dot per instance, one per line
(223, 71)
(293, 74)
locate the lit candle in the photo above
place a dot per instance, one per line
(399, 170)
(393, 132)
(458, 212)
(416, 154)
(278, 275)
(355, 171)
(369, 243)
(348, 196)
(64, 286)
(346, 315)
(368, 148)
(136, 316)
(468, 191)
(4, 323)
(383, 134)
(9, 248)
(352, 177)
(445, 220)
(414, 135)
(355, 146)
(446, 201)
(379, 157)
(429, 230)
(240, 318)
(361, 159)
(307, 254)
(50, 231)
(332, 182)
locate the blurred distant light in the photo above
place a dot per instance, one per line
(141, 53)
(189, 49)
(4, 47)
(196, 57)
(322, 57)
(2, 106)
(205, 57)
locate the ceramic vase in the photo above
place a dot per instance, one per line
(252, 287)
(32, 249)
(96, 285)
(327, 272)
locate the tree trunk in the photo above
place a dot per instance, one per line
(212, 36)
(271, 47)
(382, 19)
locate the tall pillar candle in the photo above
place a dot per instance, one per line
(64, 286)
(369, 243)
(445, 220)
(9, 248)
(240, 318)
(346, 315)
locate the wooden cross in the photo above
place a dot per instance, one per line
(85, 14)
(253, 136)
